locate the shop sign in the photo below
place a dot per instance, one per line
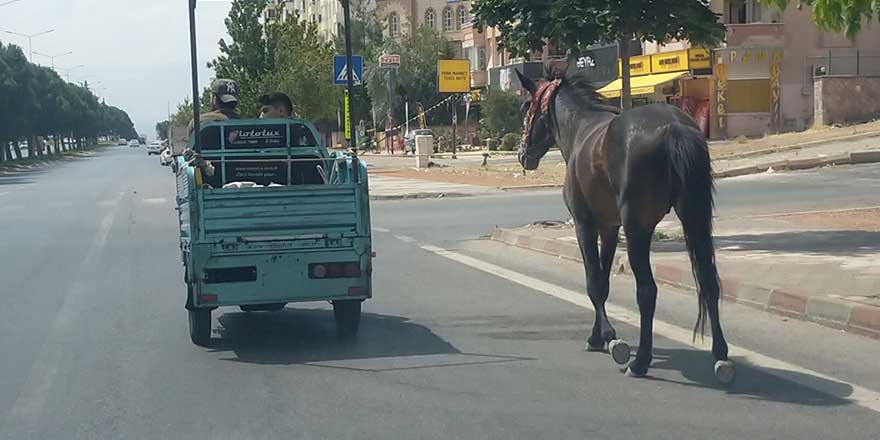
(699, 59)
(638, 65)
(669, 61)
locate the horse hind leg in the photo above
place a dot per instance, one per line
(698, 238)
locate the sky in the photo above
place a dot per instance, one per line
(137, 49)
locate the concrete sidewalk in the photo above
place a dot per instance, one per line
(388, 188)
(793, 265)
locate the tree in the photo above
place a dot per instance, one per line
(501, 113)
(416, 79)
(162, 129)
(250, 55)
(527, 25)
(37, 102)
(839, 15)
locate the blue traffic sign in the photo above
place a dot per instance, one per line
(339, 70)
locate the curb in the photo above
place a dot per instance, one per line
(791, 302)
(535, 186)
(780, 149)
(422, 195)
(852, 158)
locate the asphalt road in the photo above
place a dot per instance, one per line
(464, 339)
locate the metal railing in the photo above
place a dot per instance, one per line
(844, 62)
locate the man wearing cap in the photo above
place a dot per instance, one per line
(224, 98)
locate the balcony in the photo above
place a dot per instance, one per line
(755, 34)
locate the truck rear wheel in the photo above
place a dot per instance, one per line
(200, 326)
(348, 317)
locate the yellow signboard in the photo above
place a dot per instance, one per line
(699, 59)
(639, 65)
(669, 61)
(347, 116)
(453, 76)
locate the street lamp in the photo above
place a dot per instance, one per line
(52, 57)
(30, 38)
(70, 69)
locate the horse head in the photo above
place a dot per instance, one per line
(537, 135)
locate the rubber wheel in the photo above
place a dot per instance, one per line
(200, 326)
(348, 318)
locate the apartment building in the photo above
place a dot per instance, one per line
(327, 15)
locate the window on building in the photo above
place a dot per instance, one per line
(393, 24)
(320, 18)
(430, 19)
(751, 11)
(748, 96)
(481, 58)
(270, 14)
(462, 16)
(313, 18)
(447, 19)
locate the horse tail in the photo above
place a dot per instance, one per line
(693, 187)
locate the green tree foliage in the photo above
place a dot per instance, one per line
(37, 102)
(526, 25)
(162, 129)
(416, 79)
(501, 112)
(846, 16)
(286, 56)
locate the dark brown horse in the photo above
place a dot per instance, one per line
(628, 169)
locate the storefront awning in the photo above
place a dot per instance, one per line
(641, 85)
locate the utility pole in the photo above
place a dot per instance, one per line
(70, 69)
(195, 75)
(30, 38)
(346, 17)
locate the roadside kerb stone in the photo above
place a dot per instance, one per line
(836, 159)
(805, 163)
(795, 303)
(864, 156)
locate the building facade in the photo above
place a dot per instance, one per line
(327, 15)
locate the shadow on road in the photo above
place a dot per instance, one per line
(752, 382)
(296, 336)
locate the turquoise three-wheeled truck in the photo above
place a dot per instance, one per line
(278, 219)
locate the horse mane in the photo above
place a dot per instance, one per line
(584, 89)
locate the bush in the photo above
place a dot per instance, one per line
(501, 112)
(492, 143)
(509, 142)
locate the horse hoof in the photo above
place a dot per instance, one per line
(619, 351)
(631, 373)
(725, 372)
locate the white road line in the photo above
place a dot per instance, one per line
(3, 194)
(405, 239)
(859, 395)
(377, 229)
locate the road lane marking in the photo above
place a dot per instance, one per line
(859, 395)
(4, 193)
(405, 238)
(378, 229)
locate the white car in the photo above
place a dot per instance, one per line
(134, 143)
(154, 147)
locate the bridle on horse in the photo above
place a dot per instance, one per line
(540, 100)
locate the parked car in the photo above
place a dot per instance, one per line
(155, 147)
(409, 142)
(122, 142)
(134, 143)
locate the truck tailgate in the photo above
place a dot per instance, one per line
(252, 213)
